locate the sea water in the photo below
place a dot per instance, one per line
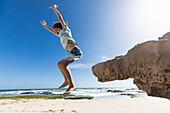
(94, 92)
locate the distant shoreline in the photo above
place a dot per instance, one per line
(79, 93)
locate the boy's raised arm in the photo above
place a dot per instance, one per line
(51, 30)
(58, 14)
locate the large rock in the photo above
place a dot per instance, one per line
(148, 63)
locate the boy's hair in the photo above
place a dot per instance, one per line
(57, 25)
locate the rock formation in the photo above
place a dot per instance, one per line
(148, 63)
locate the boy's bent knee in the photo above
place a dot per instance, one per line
(59, 64)
(62, 64)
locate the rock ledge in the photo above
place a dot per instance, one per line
(148, 63)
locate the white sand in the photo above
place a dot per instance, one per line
(102, 105)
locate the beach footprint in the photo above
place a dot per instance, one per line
(62, 111)
(74, 111)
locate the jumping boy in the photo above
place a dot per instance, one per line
(64, 33)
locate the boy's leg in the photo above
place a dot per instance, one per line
(65, 77)
(63, 66)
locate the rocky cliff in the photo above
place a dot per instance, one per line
(148, 63)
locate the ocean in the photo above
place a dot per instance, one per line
(92, 92)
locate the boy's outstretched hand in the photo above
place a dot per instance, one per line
(43, 23)
(53, 6)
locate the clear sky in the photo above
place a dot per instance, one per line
(103, 29)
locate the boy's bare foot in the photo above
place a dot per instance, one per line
(69, 90)
(64, 84)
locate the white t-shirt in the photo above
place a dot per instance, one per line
(65, 35)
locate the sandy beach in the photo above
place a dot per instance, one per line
(96, 105)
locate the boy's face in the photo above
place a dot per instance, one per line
(57, 30)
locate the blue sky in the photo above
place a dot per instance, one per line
(103, 29)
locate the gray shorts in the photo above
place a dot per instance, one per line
(75, 54)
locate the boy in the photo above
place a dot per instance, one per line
(64, 33)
